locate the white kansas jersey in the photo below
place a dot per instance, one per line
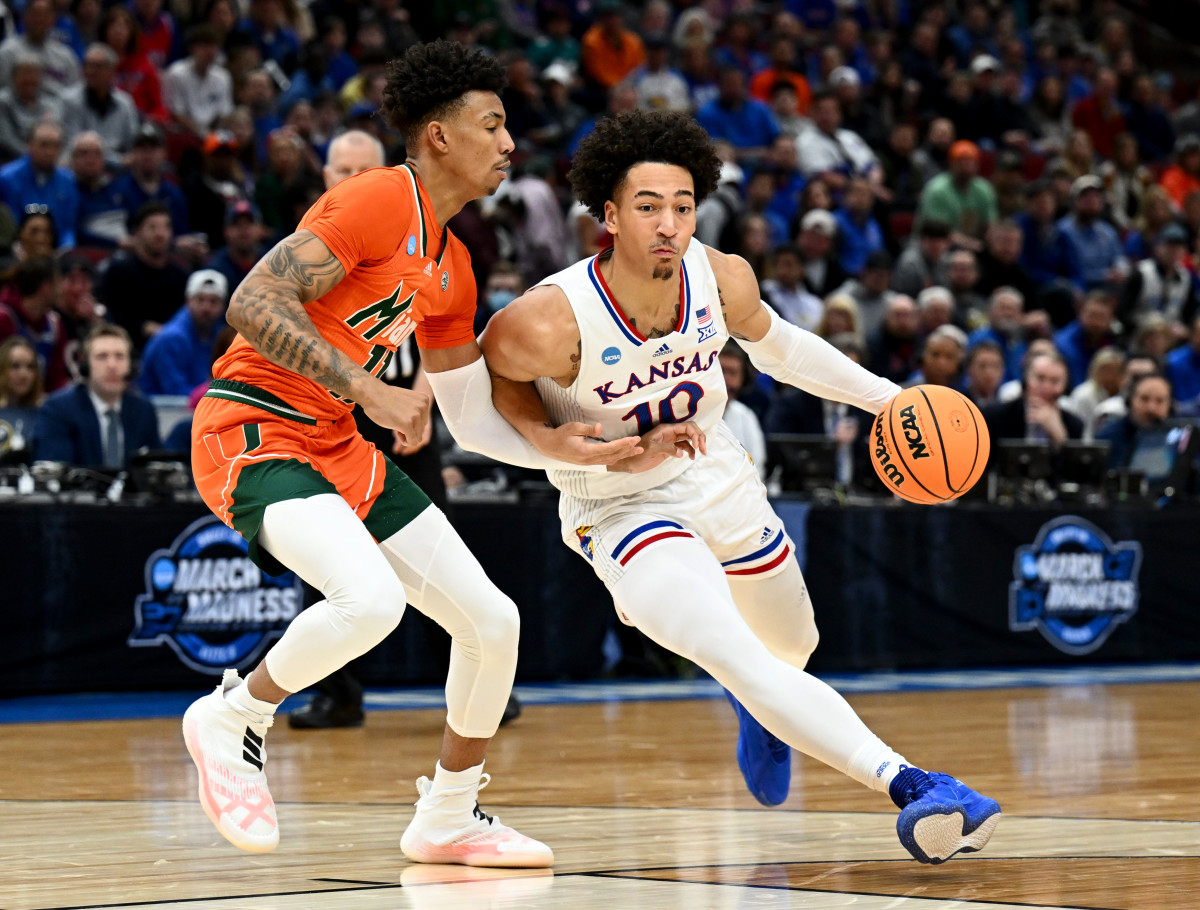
(629, 383)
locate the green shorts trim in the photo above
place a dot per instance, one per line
(244, 393)
(276, 480)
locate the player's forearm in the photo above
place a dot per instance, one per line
(520, 405)
(267, 311)
(809, 362)
(465, 399)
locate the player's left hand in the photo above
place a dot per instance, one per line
(667, 440)
(580, 443)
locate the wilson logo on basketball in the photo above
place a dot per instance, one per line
(912, 433)
(883, 458)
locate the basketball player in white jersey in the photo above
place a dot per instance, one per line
(691, 550)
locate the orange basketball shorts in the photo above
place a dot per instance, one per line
(245, 457)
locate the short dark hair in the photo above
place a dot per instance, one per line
(1138, 380)
(623, 140)
(151, 208)
(202, 33)
(430, 81)
(934, 229)
(32, 273)
(980, 347)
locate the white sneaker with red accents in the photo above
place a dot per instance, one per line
(481, 841)
(226, 743)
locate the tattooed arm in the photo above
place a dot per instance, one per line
(268, 310)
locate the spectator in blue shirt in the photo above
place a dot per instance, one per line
(1183, 369)
(1047, 257)
(744, 122)
(272, 35)
(859, 234)
(1004, 329)
(1095, 242)
(179, 357)
(101, 219)
(35, 179)
(145, 181)
(1091, 331)
(972, 36)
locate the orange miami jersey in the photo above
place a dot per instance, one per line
(401, 277)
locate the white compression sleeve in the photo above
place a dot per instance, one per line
(464, 396)
(809, 362)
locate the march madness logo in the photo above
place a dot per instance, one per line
(208, 601)
(1074, 585)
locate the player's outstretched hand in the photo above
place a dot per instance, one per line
(577, 443)
(402, 410)
(667, 440)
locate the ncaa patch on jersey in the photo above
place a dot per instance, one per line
(445, 280)
(611, 356)
(412, 244)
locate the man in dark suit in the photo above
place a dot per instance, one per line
(1036, 416)
(1149, 398)
(98, 421)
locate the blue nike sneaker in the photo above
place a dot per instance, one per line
(941, 816)
(766, 761)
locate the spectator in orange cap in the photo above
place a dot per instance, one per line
(960, 197)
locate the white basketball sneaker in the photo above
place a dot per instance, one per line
(481, 840)
(226, 743)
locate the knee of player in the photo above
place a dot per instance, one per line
(804, 642)
(499, 623)
(374, 601)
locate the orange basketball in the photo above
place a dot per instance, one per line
(929, 444)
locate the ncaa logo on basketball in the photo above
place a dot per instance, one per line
(207, 600)
(1074, 585)
(912, 433)
(611, 356)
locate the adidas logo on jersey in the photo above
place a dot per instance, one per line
(429, 270)
(664, 351)
(765, 534)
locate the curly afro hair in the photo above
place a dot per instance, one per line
(634, 137)
(429, 81)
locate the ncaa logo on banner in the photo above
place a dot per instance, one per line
(1074, 585)
(207, 600)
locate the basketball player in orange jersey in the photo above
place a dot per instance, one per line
(276, 456)
(691, 550)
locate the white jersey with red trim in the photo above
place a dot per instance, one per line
(628, 383)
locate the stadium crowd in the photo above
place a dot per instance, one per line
(1003, 197)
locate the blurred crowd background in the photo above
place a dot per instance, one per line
(999, 196)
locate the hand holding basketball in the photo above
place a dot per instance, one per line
(929, 444)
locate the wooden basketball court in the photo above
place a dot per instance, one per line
(643, 804)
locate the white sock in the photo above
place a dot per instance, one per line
(449, 807)
(875, 765)
(455, 780)
(240, 697)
